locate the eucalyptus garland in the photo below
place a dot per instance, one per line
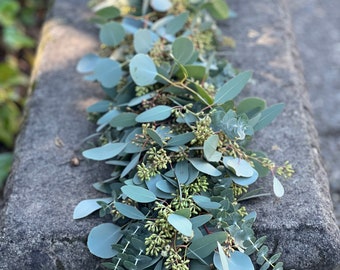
(176, 140)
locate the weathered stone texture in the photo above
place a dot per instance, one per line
(37, 230)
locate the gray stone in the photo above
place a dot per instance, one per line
(301, 224)
(319, 47)
(37, 230)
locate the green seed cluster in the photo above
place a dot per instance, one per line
(176, 261)
(286, 170)
(202, 130)
(204, 41)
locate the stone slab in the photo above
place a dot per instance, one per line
(301, 225)
(37, 230)
(320, 52)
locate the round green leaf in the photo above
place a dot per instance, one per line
(240, 261)
(182, 171)
(157, 113)
(107, 72)
(245, 181)
(138, 194)
(182, 50)
(142, 41)
(238, 166)
(111, 34)
(209, 149)
(161, 5)
(143, 70)
(87, 63)
(181, 224)
(106, 151)
(101, 238)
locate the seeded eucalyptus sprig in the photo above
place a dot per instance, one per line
(176, 140)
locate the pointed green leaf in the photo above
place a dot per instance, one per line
(101, 238)
(192, 71)
(177, 23)
(268, 115)
(138, 100)
(251, 106)
(132, 164)
(106, 151)
(203, 247)
(157, 113)
(182, 50)
(223, 257)
(87, 207)
(111, 34)
(205, 202)
(100, 106)
(262, 254)
(181, 224)
(129, 211)
(278, 188)
(200, 220)
(185, 212)
(181, 139)
(139, 194)
(108, 13)
(218, 9)
(107, 117)
(143, 70)
(204, 167)
(154, 135)
(125, 119)
(278, 266)
(232, 88)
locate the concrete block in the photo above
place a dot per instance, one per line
(37, 229)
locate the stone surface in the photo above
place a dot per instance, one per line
(37, 230)
(301, 225)
(319, 48)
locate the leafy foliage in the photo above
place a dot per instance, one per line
(177, 141)
(19, 21)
